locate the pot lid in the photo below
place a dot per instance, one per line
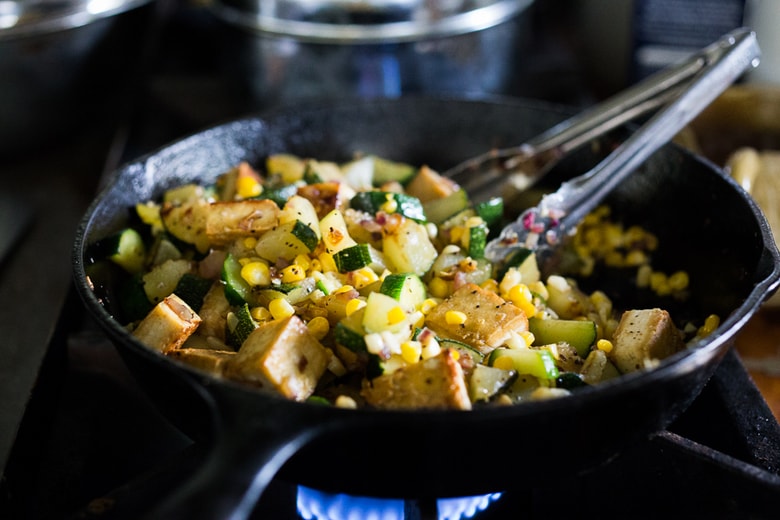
(366, 21)
(33, 17)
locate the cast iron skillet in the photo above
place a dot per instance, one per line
(706, 225)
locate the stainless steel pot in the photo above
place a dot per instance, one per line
(291, 49)
(58, 59)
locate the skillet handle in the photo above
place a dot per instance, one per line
(254, 437)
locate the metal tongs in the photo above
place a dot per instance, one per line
(682, 91)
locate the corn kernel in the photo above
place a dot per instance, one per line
(521, 296)
(710, 324)
(455, 317)
(604, 345)
(528, 337)
(343, 289)
(679, 281)
(250, 242)
(318, 327)
(304, 261)
(260, 314)
(411, 351)
(256, 273)
(363, 277)
(327, 262)
(247, 187)
(490, 285)
(456, 234)
(344, 401)
(504, 363)
(427, 305)
(280, 308)
(353, 305)
(293, 273)
(390, 205)
(438, 288)
(395, 315)
(315, 266)
(474, 221)
(417, 318)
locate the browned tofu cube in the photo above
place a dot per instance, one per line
(644, 336)
(489, 318)
(437, 382)
(231, 220)
(280, 355)
(167, 325)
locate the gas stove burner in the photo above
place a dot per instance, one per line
(318, 505)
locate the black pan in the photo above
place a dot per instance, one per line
(706, 224)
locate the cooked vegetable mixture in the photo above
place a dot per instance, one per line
(365, 285)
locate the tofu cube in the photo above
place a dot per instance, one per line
(283, 356)
(489, 318)
(642, 337)
(167, 325)
(436, 383)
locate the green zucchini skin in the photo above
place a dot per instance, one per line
(374, 201)
(580, 334)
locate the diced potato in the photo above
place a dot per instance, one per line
(228, 221)
(187, 222)
(163, 278)
(213, 313)
(644, 336)
(437, 382)
(429, 185)
(326, 196)
(408, 248)
(489, 318)
(283, 356)
(168, 325)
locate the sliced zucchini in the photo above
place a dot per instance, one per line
(279, 195)
(491, 211)
(375, 201)
(486, 382)
(580, 334)
(408, 248)
(535, 362)
(439, 210)
(407, 288)
(349, 332)
(192, 289)
(286, 241)
(237, 290)
(162, 279)
(463, 348)
(383, 313)
(477, 240)
(334, 232)
(125, 248)
(357, 257)
(386, 171)
(569, 381)
(301, 209)
(240, 324)
(524, 260)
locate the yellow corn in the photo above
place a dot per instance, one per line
(455, 317)
(327, 262)
(395, 315)
(604, 345)
(256, 273)
(247, 187)
(390, 206)
(438, 288)
(411, 351)
(304, 261)
(343, 289)
(318, 327)
(679, 281)
(250, 242)
(260, 313)
(528, 337)
(280, 308)
(474, 221)
(427, 305)
(521, 296)
(293, 273)
(353, 305)
(315, 266)
(490, 285)
(710, 324)
(363, 277)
